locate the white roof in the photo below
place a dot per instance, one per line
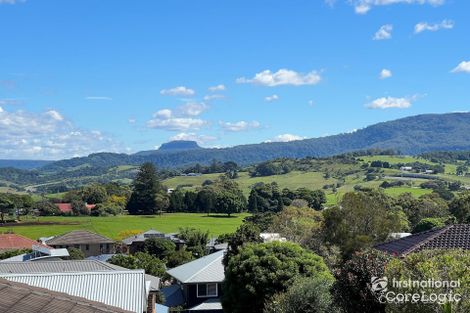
(208, 305)
(208, 269)
(122, 289)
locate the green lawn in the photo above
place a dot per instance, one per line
(111, 226)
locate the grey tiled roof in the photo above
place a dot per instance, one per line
(207, 269)
(17, 297)
(449, 237)
(78, 237)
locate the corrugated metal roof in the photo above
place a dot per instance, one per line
(207, 269)
(122, 289)
(16, 297)
(68, 266)
(54, 266)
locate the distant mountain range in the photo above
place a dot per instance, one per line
(411, 135)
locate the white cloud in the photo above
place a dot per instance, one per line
(272, 98)
(364, 6)
(445, 24)
(178, 91)
(463, 67)
(55, 115)
(164, 113)
(286, 138)
(384, 32)
(11, 101)
(311, 103)
(193, 108)
(384, 74)
(213, 97)
(239, 126)
(11, 1)
(201, 139)
(132, 121)
(391, 102)
(47, 135)
(282, 77)
(98, 98)
(176, 123)
(217, 88)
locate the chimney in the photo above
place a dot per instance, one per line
(151, 303)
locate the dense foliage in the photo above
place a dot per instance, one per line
(259, 271)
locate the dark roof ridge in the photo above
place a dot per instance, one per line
(437, 233)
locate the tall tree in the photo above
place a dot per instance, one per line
(146, 191)
(6, 206)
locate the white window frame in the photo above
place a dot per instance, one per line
(208, 296)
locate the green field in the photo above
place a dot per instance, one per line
(292, 180)
(111, 226)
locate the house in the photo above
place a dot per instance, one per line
(89, 243)
(406, 168)
(213, 245)
(66, 208)
(123, 289)
(136, 243)
(40, 252)
(198, 284)
(9, 242)
(270, 237)
(70, 266)
(18, 297)
(450, 237)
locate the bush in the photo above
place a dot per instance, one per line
(259, 271)
(306, 295)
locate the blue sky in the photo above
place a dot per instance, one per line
(78, 77)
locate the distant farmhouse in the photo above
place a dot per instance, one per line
(10, 242)
(450, 237)
(135, 243)
(89, 243)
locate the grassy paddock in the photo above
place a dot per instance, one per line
(111, 226)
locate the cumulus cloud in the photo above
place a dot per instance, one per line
(463, 67)
(272, 98)
(213, 97)
(11, 1)
(282, 77)
(384, 74)
(47, 135)
(104, 98)
(239, 126)
(178, 91)
(217, 88)
(286, 138)
(55, 115)
(182, 119)
(11, 101)
(384, 32)
(364, 6)
(193, 108)
(391, 102)
(201, 139)
(423, 26)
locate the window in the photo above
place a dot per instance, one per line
(207, 290)
(87, 247)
